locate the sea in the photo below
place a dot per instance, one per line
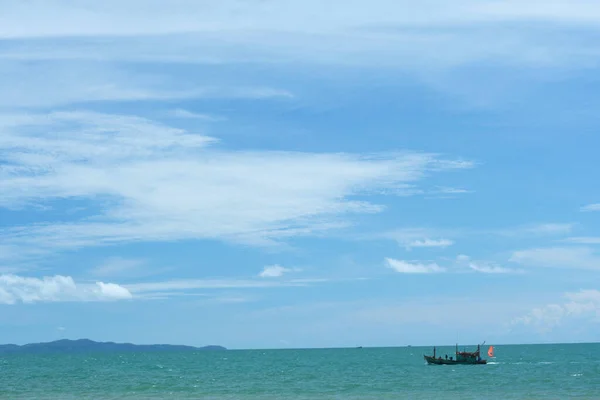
(570, 371)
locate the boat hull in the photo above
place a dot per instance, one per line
(443, 361)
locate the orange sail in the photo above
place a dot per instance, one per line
(491, 351)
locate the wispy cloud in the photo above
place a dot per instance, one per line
(232, 299)
(583, 240)
(558, 257)
(191, 287)
(549, 229)
(189, 284)
(147, 181)
(274, 271)
(430, 243)
(416, 237)
(530, 230)
(15, 289)
(544, 229)
(447, 192)
(181, 113)
(293, 15)
(451, 190)
(462, 264)
(581, 304)
(431, 34)
(122, 267)
(437, 237)
(52, 84)
(484, 267)
(405, 267)
(492, 269)
(591, 207)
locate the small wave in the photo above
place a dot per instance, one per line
(576, 374)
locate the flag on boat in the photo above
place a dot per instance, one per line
(491, 351)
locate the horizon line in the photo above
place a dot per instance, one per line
(311, 348)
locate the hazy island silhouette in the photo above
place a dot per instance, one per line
(87, 346)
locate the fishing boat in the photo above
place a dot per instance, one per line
(461, 357)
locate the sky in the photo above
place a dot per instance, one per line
(299, 173)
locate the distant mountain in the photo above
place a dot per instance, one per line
(88, 346)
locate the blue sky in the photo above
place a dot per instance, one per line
(262, 174)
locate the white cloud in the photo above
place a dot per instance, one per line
(181, 113)
(405, 267)
(416, 237)
(14, 289)
(463, 264)
(430, 243)
(591, 207)
(274, 271)
(484, 266)
(492, 269)
(581, 304)
(144, 181)
(558, 257)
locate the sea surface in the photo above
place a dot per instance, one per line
(517, 372)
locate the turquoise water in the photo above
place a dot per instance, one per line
(517, 372)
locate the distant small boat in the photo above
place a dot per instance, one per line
(461, 357)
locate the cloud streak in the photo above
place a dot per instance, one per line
(191, 287)
(52, 83)
(159, 17)
(558, 257)
(591, 207)
(122, 267)
(425, 36)
(583, 240)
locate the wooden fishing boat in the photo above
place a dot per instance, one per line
(460, 357)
